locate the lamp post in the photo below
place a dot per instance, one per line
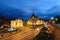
(56, 19)
(52, 18)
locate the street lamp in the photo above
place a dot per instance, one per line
(52, 18)
(56, 19)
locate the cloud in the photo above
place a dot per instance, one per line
(26, 7)
(54, 9)
(28, 4)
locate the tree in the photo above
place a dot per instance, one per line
(43, 35)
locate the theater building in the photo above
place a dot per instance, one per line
(34, 21)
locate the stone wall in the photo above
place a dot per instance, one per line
(57, 33)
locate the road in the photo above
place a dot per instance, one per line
(30, 35)
(24, 35)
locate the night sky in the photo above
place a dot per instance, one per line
(24, 8)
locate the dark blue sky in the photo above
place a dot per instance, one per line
(24, 8)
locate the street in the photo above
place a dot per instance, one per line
(24, 35)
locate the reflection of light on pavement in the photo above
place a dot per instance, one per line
(37, 29)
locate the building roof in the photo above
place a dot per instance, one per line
(34, 17)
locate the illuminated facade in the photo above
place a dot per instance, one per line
(16, 23)
(34, 21)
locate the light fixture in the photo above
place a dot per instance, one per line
(52, 18)
(56, 19)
